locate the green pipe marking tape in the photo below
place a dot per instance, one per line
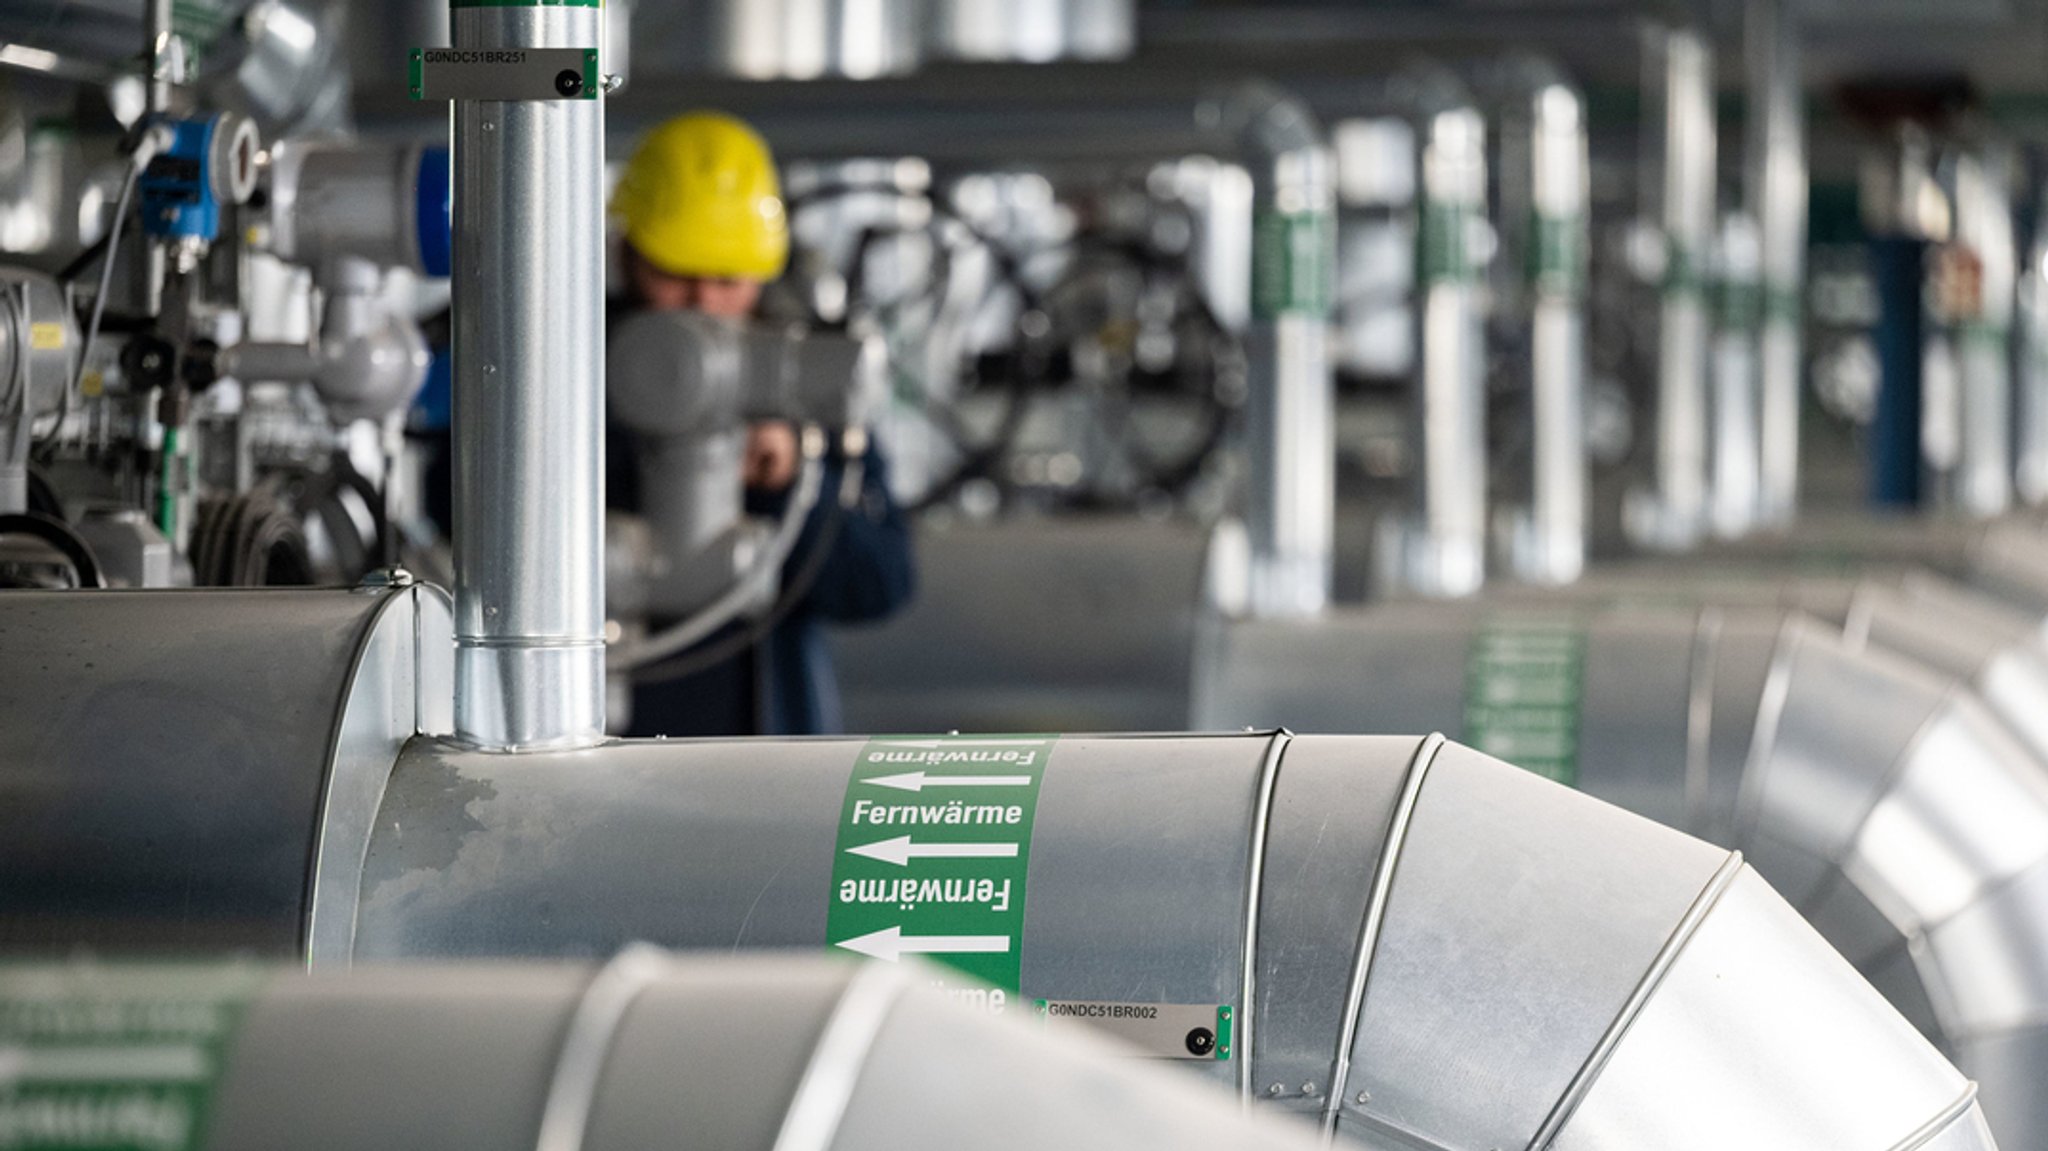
(116, 1057)
(1443, 248)
(1556, 259)
(1291, 266)
(1524, 677)
(933, 849)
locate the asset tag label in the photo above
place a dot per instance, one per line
(505, 74)
(933, 849)
(1165, 1030)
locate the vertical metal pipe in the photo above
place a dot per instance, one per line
(1680, 185)
(1451, 560)
(529, 395)
(1290, 423)
(1982, 330)
(1776, 178)
(1736, 448)
(2031, 430)
(1556, 551)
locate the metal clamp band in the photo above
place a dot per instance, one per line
(822, 1095)
(579, 1065)
(1369, 930)
(1941, 1122)
(1262, 814)
(1589, 1072)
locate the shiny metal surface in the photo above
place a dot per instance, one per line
(1775, 191)
(1032, 31)
(1681, 180)
(1998, 651)
(1290, 423)
(329, 201)
(1517, 923)
(1735, 464)
(1554, 549)
(1055, 625)
(1888, 804)
(1979, 470)
(1701, 1039)
(212, 778)
(39, 347)
(529, 399)
(459, 1057)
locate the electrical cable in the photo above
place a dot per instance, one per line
(794, 591)
(692, 630)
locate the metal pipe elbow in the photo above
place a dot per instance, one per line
(1897, 812)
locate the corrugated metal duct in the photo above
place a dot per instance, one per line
(1885, 801)
(645, 1051)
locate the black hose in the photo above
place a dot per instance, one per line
(58, 534)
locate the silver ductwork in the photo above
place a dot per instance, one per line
(1775, 190)
(1884, 801)
(504, 1057)
(1994, 647)
(1678, 218)
(528, 213)
(1401, 939)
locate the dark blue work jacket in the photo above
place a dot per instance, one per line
(784, 685)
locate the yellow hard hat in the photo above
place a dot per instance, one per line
(700, 198)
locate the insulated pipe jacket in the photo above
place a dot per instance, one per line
(644, 1051)
(1884, 801)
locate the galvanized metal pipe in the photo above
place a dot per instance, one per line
(529, 396)
(1979, 468)
(1290, 421)
(1883, 800)
(1680, 184)
(646, 1049)
(1776, 179)
(1555, 551)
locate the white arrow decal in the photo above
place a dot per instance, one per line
(918, 781)
(931, 744)
(890, 944)
(900, 850)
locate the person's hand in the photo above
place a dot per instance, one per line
(770, 461)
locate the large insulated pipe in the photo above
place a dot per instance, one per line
(1775, 191)
(2000, 650)
(1735, 457)
(1398, 938)
(645, 1050)
(1678, 194)
(529, 395)
(1883, 800)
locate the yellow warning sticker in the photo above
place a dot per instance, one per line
(46, 337)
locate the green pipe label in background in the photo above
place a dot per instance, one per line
(1523, 680)
(1443, 247)
(934, 846)
(115, 1058)
(1556, 261)
(1291, 265)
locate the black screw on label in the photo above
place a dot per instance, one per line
(1201, 1041)
(569, 82)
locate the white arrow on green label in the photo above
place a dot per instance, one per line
(890, 944)
(901, 850)
(918, 781)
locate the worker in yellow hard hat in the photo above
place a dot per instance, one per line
(702, 222)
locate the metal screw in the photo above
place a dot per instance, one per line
(1308, 1089)
(1275, 1090)
(391, 577)
(1364, 1097)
